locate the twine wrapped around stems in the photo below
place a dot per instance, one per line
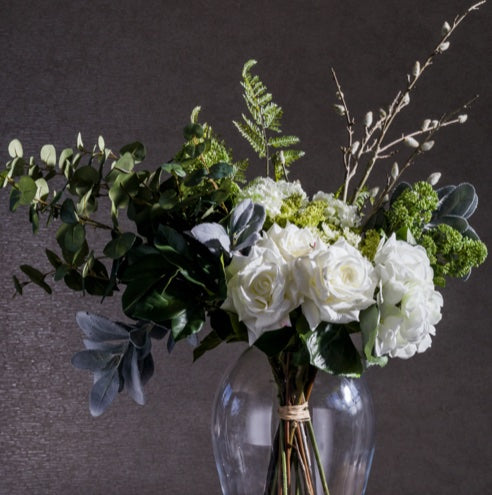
(299, 413)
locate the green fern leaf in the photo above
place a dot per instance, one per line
(283, 141)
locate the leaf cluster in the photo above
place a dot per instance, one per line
(120, 357)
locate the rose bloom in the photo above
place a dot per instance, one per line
(257, 290)
(335, 283)
(293, 242)
(409, 305)
(398, 262)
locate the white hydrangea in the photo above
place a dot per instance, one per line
(337, 211)
(271, 194)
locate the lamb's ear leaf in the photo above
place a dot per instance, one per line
(104, 391)
(100, 329)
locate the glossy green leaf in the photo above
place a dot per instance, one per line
(188, 322)
(332, 350)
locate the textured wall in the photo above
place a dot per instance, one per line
(134, 70)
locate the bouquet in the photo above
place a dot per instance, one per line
(335, 282)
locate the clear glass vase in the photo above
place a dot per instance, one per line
(257, 453)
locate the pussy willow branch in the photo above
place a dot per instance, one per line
(446, 119)
(377, 149)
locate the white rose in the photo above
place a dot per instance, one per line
(408, 303)
(293, 242)
(257, 290)
(406, 328)
(336, 284)
(397, 263)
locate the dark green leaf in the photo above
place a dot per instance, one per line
(34, 218)
(274, 341)
(27, 189)
(174, 168)
(67, 212)
(71, 237)
(168, 199)
(53, 258)
(136, 149)
(118, 247)
(331, 349)
(211, 341)
(188, 322)
(18, 285)
(195, 177)
(36, 277)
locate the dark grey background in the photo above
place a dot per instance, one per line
(134, 70)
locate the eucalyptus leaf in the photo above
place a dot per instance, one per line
(120, 245)
(174, 169)
(221, 170)
(67, 212)
(48, 155)
(27, 189)
(15, 149)
(36, 277)
(136, 150)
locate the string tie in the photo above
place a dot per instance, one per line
(297, 413)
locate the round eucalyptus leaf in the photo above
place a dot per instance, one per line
(48, 155)
(15, 149)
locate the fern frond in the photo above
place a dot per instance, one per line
(256, 141)
(266, 118)
(283, 141)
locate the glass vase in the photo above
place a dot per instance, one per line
(261, 448)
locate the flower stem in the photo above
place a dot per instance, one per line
(321, 471)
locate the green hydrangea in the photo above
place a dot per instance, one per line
(451, 254)
(311, 215)
(413, 209)
(370, 244)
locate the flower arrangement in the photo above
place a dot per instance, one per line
(262, 262)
